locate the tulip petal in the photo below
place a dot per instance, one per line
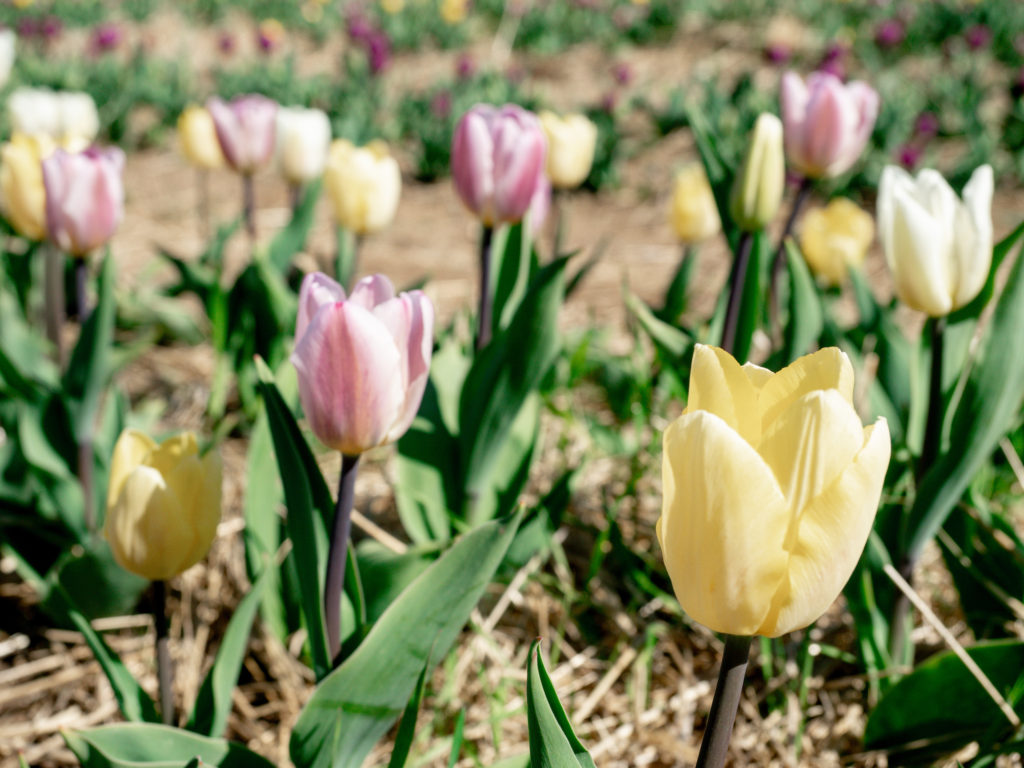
(473, 160)
(720, 386)
(145, 531)
(197, 485)
(723, 525)
(972, 249)
(372, 291)
(410, 318)
(827, 368)
(831, 535)
(130, 451)
(832, 116)
(317, 289)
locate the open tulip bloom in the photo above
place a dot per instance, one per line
(771, 485)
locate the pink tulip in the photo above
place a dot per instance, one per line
(362, 361)
(84, 198)
(540, 205)
(827, 124)
(497, 157)
(245, 130)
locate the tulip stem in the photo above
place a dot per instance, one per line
(82, 308)
(294, 197)
(164, 666)
(483, 331)
(203, 184)
(780, 254)
(54, 280)
(715, 745)
(85, 462)
(736, 282)
(249, 206)
(338, 553)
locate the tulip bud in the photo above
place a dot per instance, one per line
(67, 117)
(571, 142)
(771, 486)
(939, 248)
(362, 361)
(198, 138)
(22, 194)
(79, 120)
(303, 137)
(694, 214)
(835, 239)
(245, 130)
(163, 504)
(364, 185)
(497, 155)
(84, 198)
(757, 191)
(827, 123)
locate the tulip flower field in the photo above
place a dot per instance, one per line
(497, 384)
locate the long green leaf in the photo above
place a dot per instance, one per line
(553, 744)
(138, 745)
(292, 239)
(356, 704)
(806, 318)
(407, 727)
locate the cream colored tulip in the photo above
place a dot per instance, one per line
(67, 117)
(364, 184)
(770, 486)
(694, 214)
(163, 504)
(197, 136)
(22, 194)
(835, 239)
(571, 143)
(757, 191)
(939, 248)
(303, 139)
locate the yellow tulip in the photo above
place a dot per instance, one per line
(364, 184)
(835, 238)
(693, 214)
(454, 11)
(22, 194)
(571, 143)
(392, 6)
(163, 504)
(757, 192)
(198, 138)
(771, 485)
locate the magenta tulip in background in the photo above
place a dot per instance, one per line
(827, 124)
(245, 130)
(498, 156)
(84, 198)
(362, 361)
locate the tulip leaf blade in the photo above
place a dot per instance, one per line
(514, 265)
(292, 239)
(752, 297)
(356, 704)
(675, 344)
(806, 317)
(407, 726)
(553, 744)
(148, 745)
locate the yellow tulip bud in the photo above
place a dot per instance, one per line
(835, 238)
(198, 138)
(22, 194)
(454, 11)
(163, 504)
(757, 192)
(771, 485)
(571, 143)
(364, 184)
(693, 214)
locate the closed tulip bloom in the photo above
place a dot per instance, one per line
(198, 138)
(362, 360)
(84, 198)
(757, 191)
(835, 239)
(693, 212)
(245, 129)
(939, 248)
(827, 123)
(571, 143)
(497, 155)
(303, 138)
(79, 120)
(771, 485)
(68, 118)
(364, 185)
(163, 504)
(22, 194)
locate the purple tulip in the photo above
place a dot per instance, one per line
(827, 123)
(890, 33)
(778, 53)
(84, 198)
(378, 51)
(908, 156)
(106, 37)
(29, 26)
(465, 67)
(441, 104)
(497, 156)
(226, 43)
(623, 73)
(926, 125)
(362, 361)
(245, 130)
(978, 36)
(540, 205)
(51, 27)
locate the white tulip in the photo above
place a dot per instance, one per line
(939, 248)
(303, 138)
(8, 40)
(68, 117)
(79, 120)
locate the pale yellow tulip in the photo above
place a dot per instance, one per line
(757, 191)
(835, 239)
(363, 184)
(198, 137)
(771, 485)
(571, 143)
(22, 194)
(693, 214)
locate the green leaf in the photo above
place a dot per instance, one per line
(388, 573)
(512, 259)
(346, 256)
(407, 727)
(752, 299)
(292, 239)
(676, 295)
(213, 702)
(806, 318)
(553, 744)
(356, 704)
(309, 510)
(941, 707)
(94, 583)
(674, 343)
(138, 745)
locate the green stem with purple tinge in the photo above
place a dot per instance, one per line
(334, 584)
(780, 254)
(249, 205)
(82, 308)
(164, 666)
(715, 745)
(483, 332)
(736, 282)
